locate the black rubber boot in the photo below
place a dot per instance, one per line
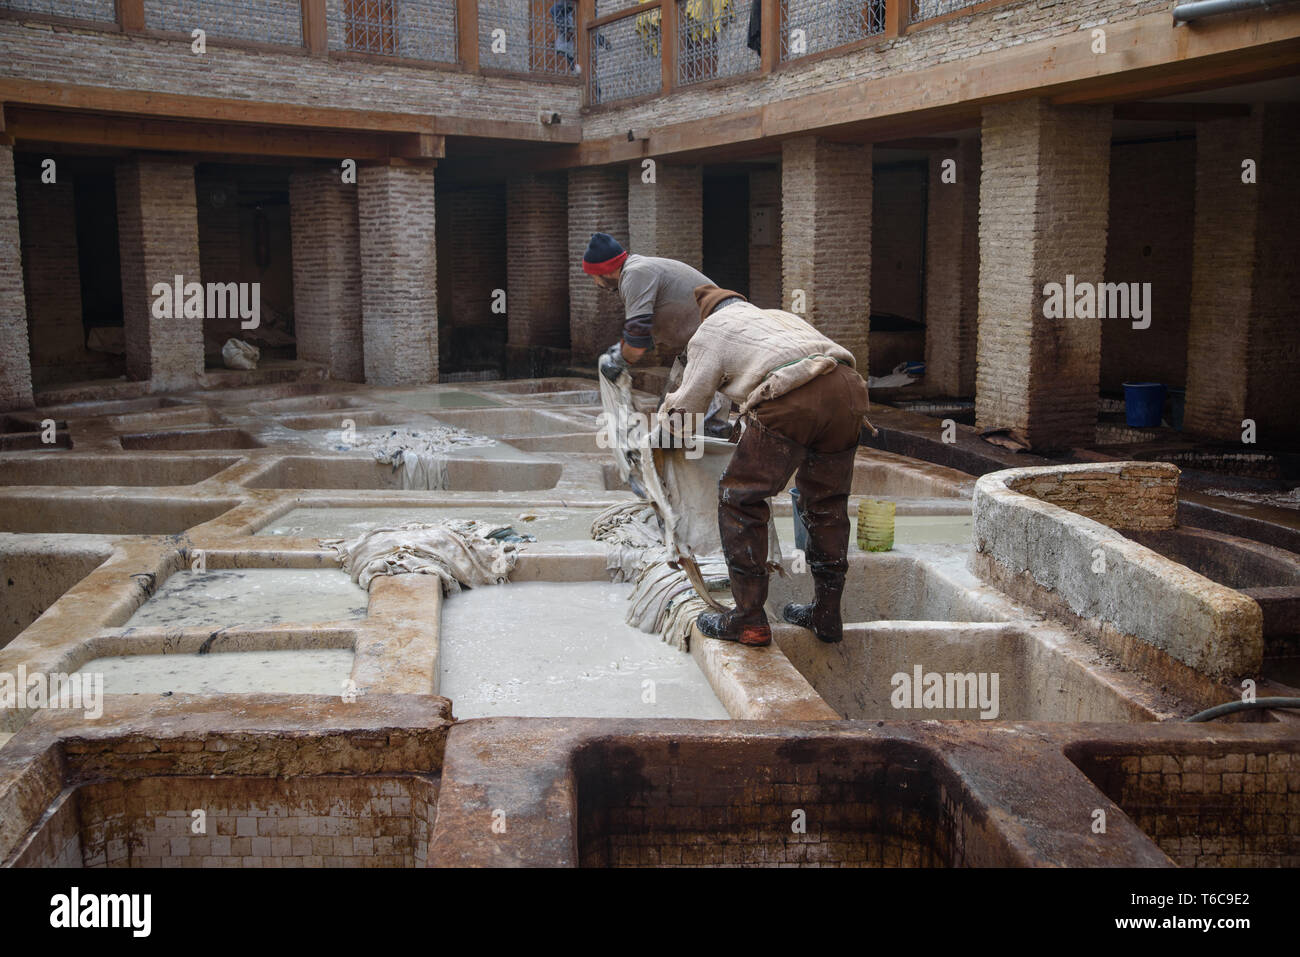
(747, 622)
(822, 616)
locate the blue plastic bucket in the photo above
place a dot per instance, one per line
(800, 530)
(1143, 403)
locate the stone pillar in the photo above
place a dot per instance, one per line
(666, 217)
(399, 308)
(952, 269)
(158, 238)
(15, 362)
(765, 261)
(597, 204)
(327, 271)
(1243, 347)
(537, 261)
(1043, 217)
(826, 238)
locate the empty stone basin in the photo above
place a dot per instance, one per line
(33, 442)
(701, 803)
(893, 587)
(542, 649)
(161, 418)
(315, 671)
(153, 516)
(476, 474)
(252, 596)
(440, 399)
(302, 821)
(1214, 804)
(197, 439)
(985, 672)
(546, 525)
(34, 576)
(92, 470)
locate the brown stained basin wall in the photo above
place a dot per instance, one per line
(1207, 804)
(94, 470)
(197, 439)
(699, 803)
(364, 473)
(33, 441)
(334, 821)
(23, 513)
(33, 578)
(1235, 562)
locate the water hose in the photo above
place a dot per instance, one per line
(1232, 707)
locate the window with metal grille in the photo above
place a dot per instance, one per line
(811, 26)
(712, 38)
(929, 9)
(413, 29)
(534, 36)
(626, 58)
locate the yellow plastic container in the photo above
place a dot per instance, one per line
(875, 525)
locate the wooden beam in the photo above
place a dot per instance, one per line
(54, 126)
(771, 35)
(898, 17)
(1180, 112)
(668, 46)
(582, 44)
(626, 12)
(130, 15)
(467, 34)
(418, 146)
(315, 27)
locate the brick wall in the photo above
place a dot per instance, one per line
(327, 271)
(472, 227)
(335, 821)
(1043, 215)
(1120, 496)
(1152, 200)
(537, 260)
(826, 200)
(158, 236)
(898, 239)
(952, 269)
(15, 366)
(666, 218)
(765, 261)
(399, 307)
(598, 200)
(51, 274)
(1234, 809)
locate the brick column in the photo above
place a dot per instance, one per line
(1043, 216)
(666, 218)
(15, 364)
(952, 269)
(765, 261)
(399, 309)
(327, 271)
(597, 204)
(158, 238)
(1243, 346)
(537, 261)
(826, 237)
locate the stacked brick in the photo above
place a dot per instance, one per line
(952, 270)
(327, 271)
(15, 365)
(597, 203)
(826, 196)
(158, 238)
(1119, 496)
(399, 309)
(666, 217)
(537, 259)
(1043, 215)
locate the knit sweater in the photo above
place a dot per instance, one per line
(751, 355)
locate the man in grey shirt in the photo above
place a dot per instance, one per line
(658, 305)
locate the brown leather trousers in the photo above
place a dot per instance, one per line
(811, 433)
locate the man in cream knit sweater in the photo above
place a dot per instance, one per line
(803, 406)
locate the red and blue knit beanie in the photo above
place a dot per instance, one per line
(603, 256)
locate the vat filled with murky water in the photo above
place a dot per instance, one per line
(322, 671)
(252, 596)
(545, 649)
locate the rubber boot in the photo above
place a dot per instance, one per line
(822, 616)
(747, 622)
(824, 481)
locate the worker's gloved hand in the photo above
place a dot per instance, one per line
(612, 364)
